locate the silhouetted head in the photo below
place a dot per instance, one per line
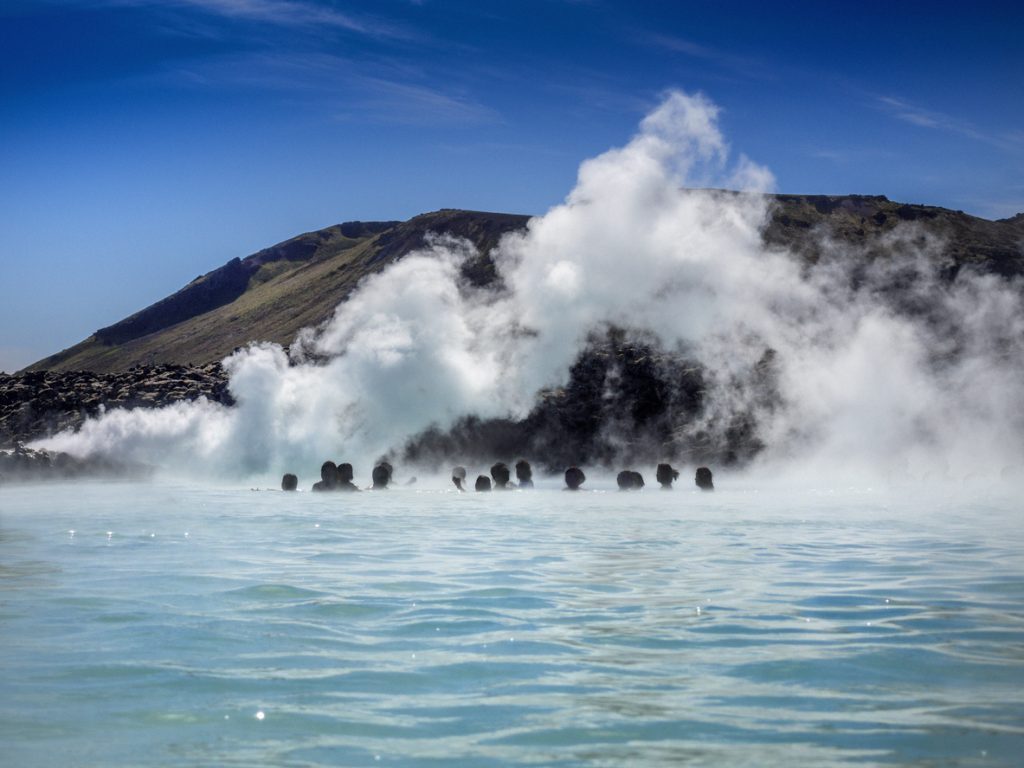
(666, 475)
(459, 477)
(483, 483)
(574, 478)
(629, 480)
(703, 479)
(289, 482)
(524, 474)
(381, 476)
(329, 473)
(500, 474)
(345, 473)
(64, 462)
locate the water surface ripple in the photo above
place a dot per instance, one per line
(162, 625)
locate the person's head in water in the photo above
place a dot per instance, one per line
(574, 478)
(328, 477)
(289, 482)
(524, 474)
(459, 477)
(666, 475)
(501, 475)
(345, 475)
(381, 476)
(629, 480)
(703, 479)
(483, 483)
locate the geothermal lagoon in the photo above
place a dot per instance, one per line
(240, 239)
(851, 594)
(168, 624)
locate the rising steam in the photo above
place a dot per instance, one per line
(925, 379)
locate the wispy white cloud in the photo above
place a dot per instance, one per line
(846, 155)
(281, 13)
(596, 94)
(289, 13)
(740, 65)
(908, 112)
(503, 147)
(414, 104)
(371, 91)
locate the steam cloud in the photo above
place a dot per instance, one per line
(929, 380)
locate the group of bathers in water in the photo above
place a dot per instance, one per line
(338, 477)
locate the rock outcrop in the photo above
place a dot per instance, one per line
(37, 404)
(624, 401)
(21, 464)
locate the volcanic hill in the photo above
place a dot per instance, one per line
(272, 294)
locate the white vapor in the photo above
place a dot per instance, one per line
(860, 385)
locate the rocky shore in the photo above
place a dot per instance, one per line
(21, 464)
(626, 400)
(623, 399)
(37, 404)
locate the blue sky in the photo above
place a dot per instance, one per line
(144, 142)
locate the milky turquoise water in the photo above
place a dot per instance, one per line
(192, 626)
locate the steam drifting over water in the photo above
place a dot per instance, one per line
(879, 365)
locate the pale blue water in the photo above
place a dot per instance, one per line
(548, 628)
